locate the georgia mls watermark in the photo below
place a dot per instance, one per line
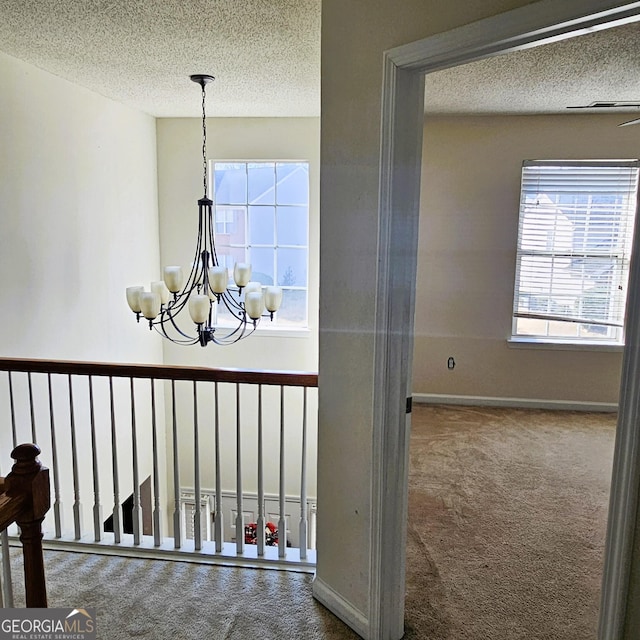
(48, 624)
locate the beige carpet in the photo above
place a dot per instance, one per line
(507, 516)
(155, 599)
(507, 523)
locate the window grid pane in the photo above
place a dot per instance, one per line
(270, 228)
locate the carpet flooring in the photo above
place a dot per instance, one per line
(507, 521)
(507, 518)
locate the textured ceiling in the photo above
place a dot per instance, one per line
(600, 66)
(265, 55)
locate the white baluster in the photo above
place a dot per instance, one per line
(177, 520)
(136, 513)
(7, 582)
(218, 522)
(57, 505)
(117, 529)
(303, 482)
(13, 412)
(157, 533)
(77, 507)
(239, 502)
(34, 437)
(97, 507)
(197, 515)
(261, 522)
(282, 522)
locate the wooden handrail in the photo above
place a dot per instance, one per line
(25, 499)
(161, 372)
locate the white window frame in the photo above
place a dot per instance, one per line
(267, 327)
(543, 204)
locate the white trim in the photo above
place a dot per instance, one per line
(331, 599)
(622, 525)
(529, 26)
(398, 213)
(275, 332)
(399, 198)
(228, 557)
(522, 342)
(516, 403)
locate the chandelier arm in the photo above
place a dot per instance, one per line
(234, 306)
(174, 308)
(212, 238)
(167, 317)
(225, 340)
(192, 280)
(182, 343)
(188, 341)
(242, 327)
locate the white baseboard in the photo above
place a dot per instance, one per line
(331, 599)
(521, 403)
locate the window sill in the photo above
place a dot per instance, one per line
(275, 332)
(523, 342)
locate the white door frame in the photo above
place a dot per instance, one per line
(399, 185)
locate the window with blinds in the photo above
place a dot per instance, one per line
(574, 244)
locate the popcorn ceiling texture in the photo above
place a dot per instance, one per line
(265, 54)
(600, 66)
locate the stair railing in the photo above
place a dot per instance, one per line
(24, 500)
(240, 443)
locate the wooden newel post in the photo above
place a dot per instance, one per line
(28, 478)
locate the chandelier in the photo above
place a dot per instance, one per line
(207, 284)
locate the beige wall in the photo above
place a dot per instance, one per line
(354, 37)
(78, 223)
(466, 265)
(179, 188)
(79, 218)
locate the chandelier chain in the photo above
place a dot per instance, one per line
(204, 143)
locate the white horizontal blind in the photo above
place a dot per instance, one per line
(574, 244)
